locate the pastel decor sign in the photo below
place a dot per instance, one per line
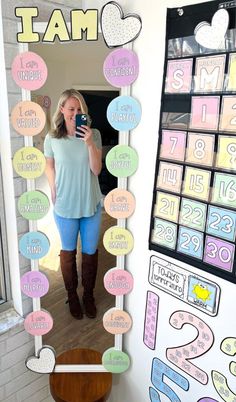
(124, 113)
(33, 205)
(117, 321)
(29, 71)
(122, 161)
(34, 284)
(115, 361)
(119, 203)
(38, 323)
(118, 29)
(29, 162)
(121, 67)
(118, 241)
(34, 245)
(118, 282)
(212, 35)
(44, 363)
(28, 118)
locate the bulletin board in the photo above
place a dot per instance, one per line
(193, 217)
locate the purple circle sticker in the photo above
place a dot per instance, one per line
(118, 282)
(121, 67)
(38, 323)
(34, 284)
(29, 71)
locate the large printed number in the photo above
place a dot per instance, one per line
(181, 355)
(159, 369)
(228, 346)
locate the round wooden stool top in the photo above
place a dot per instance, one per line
(80, 387)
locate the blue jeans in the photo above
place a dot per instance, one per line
(88, 228)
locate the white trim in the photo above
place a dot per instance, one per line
(8, 186)
(95, 87)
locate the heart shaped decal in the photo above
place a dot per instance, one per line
(212, 35)
(118, 29)
(44, 363)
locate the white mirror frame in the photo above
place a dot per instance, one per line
(40, 27)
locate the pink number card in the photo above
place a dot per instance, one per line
(205, 112)
(179, 76)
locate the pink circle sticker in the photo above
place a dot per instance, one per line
(34, 284)
(119, 204)
(28, 118)
(118, 282)
(29, 71)
(117, 321)
(38, 323)
(121, 67)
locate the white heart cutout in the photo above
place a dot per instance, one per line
(118, 29)
(44, 363)
(212, 35)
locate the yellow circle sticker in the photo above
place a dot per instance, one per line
(28, 118)
(118, 241)
(29, 162)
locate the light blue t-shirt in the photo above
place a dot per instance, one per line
(77, 188)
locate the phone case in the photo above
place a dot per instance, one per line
(80, 119)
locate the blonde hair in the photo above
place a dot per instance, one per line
(59, 128)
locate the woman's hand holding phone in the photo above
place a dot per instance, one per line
(80, 121)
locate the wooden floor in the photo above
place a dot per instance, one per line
(67, 332)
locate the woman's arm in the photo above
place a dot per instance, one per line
(51, 174)
(95, 158)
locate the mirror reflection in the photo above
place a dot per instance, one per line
(76, 65)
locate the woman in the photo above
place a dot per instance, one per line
(72, 168)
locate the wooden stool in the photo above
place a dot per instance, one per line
(80, 387)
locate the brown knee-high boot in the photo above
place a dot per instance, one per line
(89, 273)
(70, 277)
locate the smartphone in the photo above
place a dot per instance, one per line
(80, 119)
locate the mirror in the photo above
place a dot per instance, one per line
(78, 65)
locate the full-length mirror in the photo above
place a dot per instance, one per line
(76, 65)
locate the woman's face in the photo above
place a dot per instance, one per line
(69, 110)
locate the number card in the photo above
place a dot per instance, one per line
(164, 233)
(226, 155)
(179, 76)
(204, 112)
(232, 73)
(228, 114)
(219, 253)
(190, 242)
(224, 190)
(170, 177)
(193, 214)
(209, 73)
(221, 223)
(197, 183)
(200, 149)
(167, 207)
(173, 145)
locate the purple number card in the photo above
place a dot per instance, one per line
(219, 253)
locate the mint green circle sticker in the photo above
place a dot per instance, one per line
(122, 161)
(33, 205)
(115, 361)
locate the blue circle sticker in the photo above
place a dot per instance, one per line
(34, 245)
(124, 113)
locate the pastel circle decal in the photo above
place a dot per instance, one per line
(117, 321)
(119, 204)
(121, 67)
(33, 205)
(118, 282)
(115, 361)
(29, 162)
(34, 284)
(118, 241)
(34, 245)
(38, 323)
(28, 118)
(124, 113)
(122, 161)
(29, 71)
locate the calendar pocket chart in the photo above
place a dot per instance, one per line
(193, 216)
